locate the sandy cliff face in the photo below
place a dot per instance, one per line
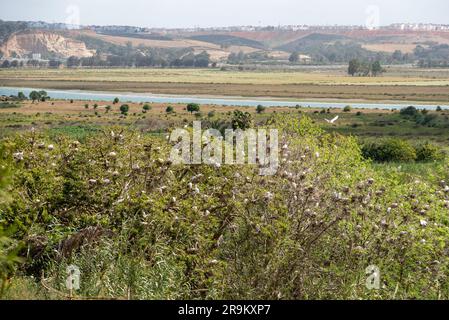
(43, 42)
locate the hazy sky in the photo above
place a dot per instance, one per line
(204, 13)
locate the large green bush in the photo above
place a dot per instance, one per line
(140, 227)
(389, 150)
(429, 152)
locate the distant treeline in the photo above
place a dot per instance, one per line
(436, 56)
(200, 60)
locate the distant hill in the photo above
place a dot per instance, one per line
(246, 44)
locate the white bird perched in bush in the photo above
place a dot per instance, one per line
(18, 156)
(333, 120)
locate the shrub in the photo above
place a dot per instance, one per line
(124, 108)
(140, 227)
(241, 120)
(169, 109)
(409, 111)
(389, 150)
(429, 152)
(260, 108)
(193, 107)
(347, 109)
(198, 115)
(146, 107)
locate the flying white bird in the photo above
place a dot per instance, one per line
(333, 120)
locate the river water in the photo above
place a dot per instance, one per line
(224, 101)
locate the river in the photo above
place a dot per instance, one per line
(224, 101)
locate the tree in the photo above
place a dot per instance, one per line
(35, 96)
(6, 64)
(43, 95)
(193, 107)
(108, 108)
(146, 107)
(409, 111)
(260, 108)
(73, 62)
(354, 67)
(116, 100)
(294, 57)
(169, 109)
(202, 60)
(347, 109)
(397, 55)
(21, 96)
(124, 108)
(54, 63)
(376, 68)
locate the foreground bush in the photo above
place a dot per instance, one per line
(139, 227)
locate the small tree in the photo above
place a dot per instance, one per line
(6, 64)
(124, 108)
(260, 108)
(86, 106)
(376, 68)
(108, 108)
(43, 95)
(95, 106)
(21, 96)
(294, 57)
(354, 67)
(169, 109)
(146, 108)
(409, 111)
(116, 100)
(347, 109)
(193, 107)
(35, 96)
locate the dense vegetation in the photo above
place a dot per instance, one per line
(139, 227)
(227, 40)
